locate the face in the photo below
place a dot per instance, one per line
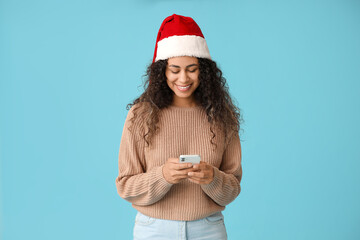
(182, 76)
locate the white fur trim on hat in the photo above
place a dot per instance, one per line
(185, 45)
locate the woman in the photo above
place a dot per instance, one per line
(185, 110)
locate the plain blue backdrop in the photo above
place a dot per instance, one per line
(68, 68)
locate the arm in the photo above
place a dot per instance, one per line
(225, 186)
(134, 183)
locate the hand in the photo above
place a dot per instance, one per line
(174, 172)
(203, 174)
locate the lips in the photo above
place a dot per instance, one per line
(183, 88)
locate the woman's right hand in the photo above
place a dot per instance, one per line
(174, 172)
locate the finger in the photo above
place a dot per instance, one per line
(181, 166)
(173, 160)
(197, 174)
(197, 166)
(182, 172)
(181, 177)
(201, 165)
(178, 164)
(197, 181)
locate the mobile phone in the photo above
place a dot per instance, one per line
(194, 159)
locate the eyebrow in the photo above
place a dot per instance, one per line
(186, 66)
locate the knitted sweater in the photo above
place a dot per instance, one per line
(182, 130)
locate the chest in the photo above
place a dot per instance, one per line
(186, 137)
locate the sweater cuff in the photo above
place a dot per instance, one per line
(159, 178)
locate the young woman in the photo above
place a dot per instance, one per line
(185, 109)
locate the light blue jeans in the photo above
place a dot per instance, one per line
(209, 228)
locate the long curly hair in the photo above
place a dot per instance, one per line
(212, 94)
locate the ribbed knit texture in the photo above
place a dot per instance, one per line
(181, 131)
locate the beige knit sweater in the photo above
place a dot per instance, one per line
(182, 130)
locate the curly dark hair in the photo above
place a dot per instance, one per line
(212, 94)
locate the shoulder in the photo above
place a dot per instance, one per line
(137, 114)
(140, 107)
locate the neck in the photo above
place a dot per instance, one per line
(184, 102)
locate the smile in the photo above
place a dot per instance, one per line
(183, 88)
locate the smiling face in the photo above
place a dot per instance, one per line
(182, 77)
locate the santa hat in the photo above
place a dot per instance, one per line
(180, 36)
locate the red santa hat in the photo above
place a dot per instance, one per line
(180, 36)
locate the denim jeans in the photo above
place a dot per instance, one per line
(209, 228)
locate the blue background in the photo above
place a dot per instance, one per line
(68, 69)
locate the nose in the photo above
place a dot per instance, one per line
(183, 78)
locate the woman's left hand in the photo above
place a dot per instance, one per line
(203, 174)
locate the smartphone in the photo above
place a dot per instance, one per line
(194, 159)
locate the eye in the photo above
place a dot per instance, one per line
(193, 70)
(174, 72)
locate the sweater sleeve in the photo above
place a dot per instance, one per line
(134, 183)
(225, 186)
